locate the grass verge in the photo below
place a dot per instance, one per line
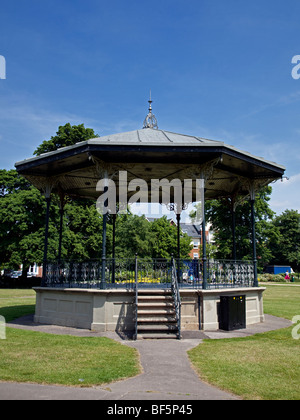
(29, 356)
(15, 303)
(263, 366)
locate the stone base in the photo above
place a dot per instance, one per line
(113, 309)
(210, 300)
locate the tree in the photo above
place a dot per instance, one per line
(10, 182)
(133, 236)
(218, 213)
(66, 135)
(158, 239)
(286, 248)
(22, 215)
(82, 231)
(22, 228)
(164, 240)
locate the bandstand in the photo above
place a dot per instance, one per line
(114, 294)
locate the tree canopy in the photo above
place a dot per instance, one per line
(219, 215)
(277, 236)
(66, 135)
(286, 247)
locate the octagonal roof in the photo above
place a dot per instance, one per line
(149, 154)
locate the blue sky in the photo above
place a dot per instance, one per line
(217, 69)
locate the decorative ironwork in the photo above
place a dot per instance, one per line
(153, 273)
(120, 273)
(190, 273)
(71, 274)
(222, 274)
(131, 273)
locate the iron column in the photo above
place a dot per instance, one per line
(48, 200)
(255, 283)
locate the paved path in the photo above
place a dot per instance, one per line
(167, 373)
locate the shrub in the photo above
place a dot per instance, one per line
(277, 278)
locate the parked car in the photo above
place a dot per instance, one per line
(15, 274)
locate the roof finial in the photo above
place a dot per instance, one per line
(150, 120)
(150, 102)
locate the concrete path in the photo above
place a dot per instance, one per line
(167, 373)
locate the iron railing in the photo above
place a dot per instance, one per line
(226, 273)
(70, 274)
(126, 273)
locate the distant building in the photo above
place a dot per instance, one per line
(34, 270)
(194, 233)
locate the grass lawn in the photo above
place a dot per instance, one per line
(283, 301)
(263, 366)
(15, 303)
(27, 356)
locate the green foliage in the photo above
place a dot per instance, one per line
(165, 240)
(10, 182)
(276, 278)
(22, 215)
(22, 212)
(277, 236)
(157, 239)
(219, 214)
(66, 135)
(286, 249)
(133, 236)
(82, 231)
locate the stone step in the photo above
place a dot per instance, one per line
(156, 316)
(158, 298)
(157, 327)
(157, 336)
(165, 306)
(156, 312)
(154, 292)
(156, 319)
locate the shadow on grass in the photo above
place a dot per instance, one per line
(11, 313)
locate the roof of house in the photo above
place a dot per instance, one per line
(191, 230)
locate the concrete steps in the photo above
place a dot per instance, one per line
(156, 315)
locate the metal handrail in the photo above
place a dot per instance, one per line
(136, 297)
(176, 297)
